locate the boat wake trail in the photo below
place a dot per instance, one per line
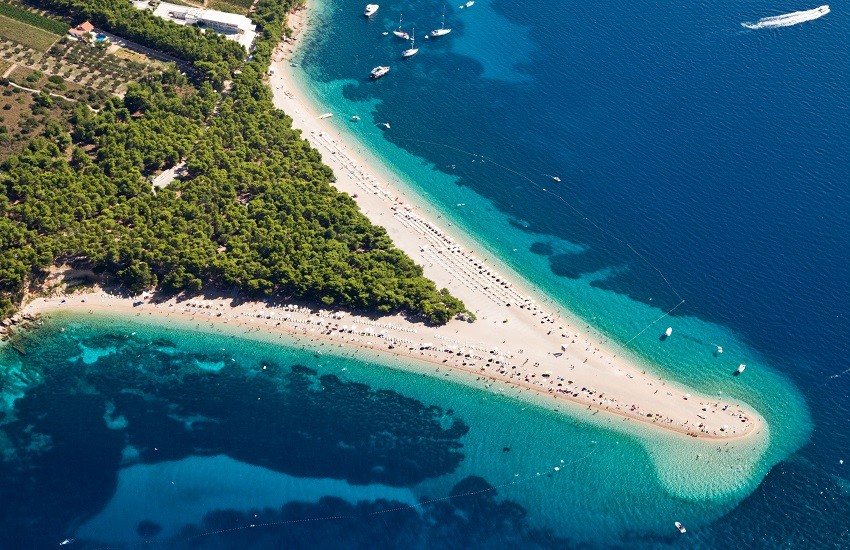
(788, 19)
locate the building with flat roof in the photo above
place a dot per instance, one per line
(232, 25)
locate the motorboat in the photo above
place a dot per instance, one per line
(668, 332)
(680, 527)
(355, 118)
(740, 369)
(378, 72)
(371, 9)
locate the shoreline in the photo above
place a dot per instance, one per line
(515, 342)
(449, 260)
(394, 338)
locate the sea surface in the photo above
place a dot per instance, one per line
(703, 186)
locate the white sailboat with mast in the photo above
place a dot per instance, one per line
(400, 33)
(412, 50)
(442, 31)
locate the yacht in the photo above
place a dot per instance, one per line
(378, 72)
(442, 31)
(412, 50)
(371, 9)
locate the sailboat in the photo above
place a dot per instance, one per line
(413, 50)
(442, 31)
(400, 33)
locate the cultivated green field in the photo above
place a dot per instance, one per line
(34, 19)
(27, 35)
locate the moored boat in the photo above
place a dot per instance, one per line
(371, 9)
(378, 72)
(740, 369)
(442, 31)
(412, 50)
(668, 332)
(400, 33)
(680, 527)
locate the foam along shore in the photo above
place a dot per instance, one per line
(585, 378)
(514, 340)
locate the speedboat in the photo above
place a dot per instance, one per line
(680, 527)
(378, 72)
(740, 369)
(668, 332)
(355, 118)
(370, 10)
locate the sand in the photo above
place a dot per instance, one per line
(581, 379)
(515, 342)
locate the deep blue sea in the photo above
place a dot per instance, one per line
(698, 161)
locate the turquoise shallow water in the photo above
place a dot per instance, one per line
(466, 167)
(129, 431)
(697, 159)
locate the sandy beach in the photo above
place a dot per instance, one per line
(581, 379)
(515, 342)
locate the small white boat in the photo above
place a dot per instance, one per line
(556, 178)
(412, 50)
(470, 3)
(355, 118)
(668, 332)
(442, 31)
(371, 9)
(386, 125)
(400, 33)
(719, 349)
(680, 527)
(326, 115)
(378, 72)
(740, 369)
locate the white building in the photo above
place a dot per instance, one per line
(232, 25)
